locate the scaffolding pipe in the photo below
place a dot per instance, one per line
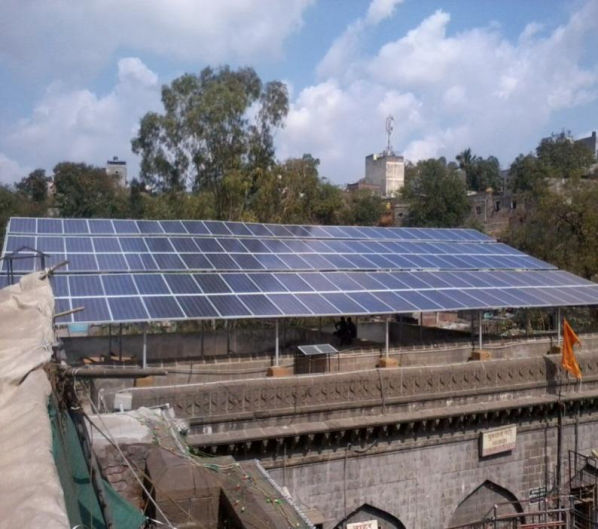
(276, 344)
(480, 330)
(387, 350)
(144, 350)
(558, 326)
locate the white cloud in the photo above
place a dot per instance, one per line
(381, 9)
(52, 38)
(80, 125)
(10, 170)
(446, 91)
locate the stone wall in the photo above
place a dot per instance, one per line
(422, 483)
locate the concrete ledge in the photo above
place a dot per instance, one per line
(278, 371)
(387, 362)
(480, 354)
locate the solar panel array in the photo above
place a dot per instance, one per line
(133, 271)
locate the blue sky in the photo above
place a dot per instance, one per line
(496, 76)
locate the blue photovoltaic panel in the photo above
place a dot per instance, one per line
(105, 244)
(112, 262)
(49, 226)
(344, 303)
(150, 227)
(222, 261)
(359, 270)
(229, 306)
(125, 226)
(167, 261)
(158, 244)
(238, 228)
(240, 283)
(14, 243)
(396, 302)
(119, 285)
(50, 244)
(369, 302)
(267, 283)
(96, 309)
(82, 263)
(259, 229)
(196, 261)
(173, 226)
(195, 227)
(184, 245)
(208, 245)
(216, 227)
(132, 244)
(127, 309)
(182, 284)
(232, 245)
(259, 305)
(247, 262)
(290, 305)
(270, 262)
(151, 284)
(76, 226)
(317, 304)
(20, 225)
(163, 308)
(343, 282)
(198, 307)
(295, 262)
(100, 226)
(278, 230)
(63, 305)
(78, 245)
(211, 283)
(84, 285)
(293, 283)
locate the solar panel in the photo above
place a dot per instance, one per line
(141, 270)
(318, 349)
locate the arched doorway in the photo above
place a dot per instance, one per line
(481, 501)
(368, 512)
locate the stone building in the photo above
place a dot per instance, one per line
(118, 169)
(591, 143)
(386, 171)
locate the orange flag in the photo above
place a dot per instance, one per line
(569, 361)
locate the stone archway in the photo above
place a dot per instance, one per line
(480, 502)
(368, 512)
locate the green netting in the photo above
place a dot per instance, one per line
(81, 501)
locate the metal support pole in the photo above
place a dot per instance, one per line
(480, 330)
(387, 351)
(120, 342)
(558, 326)
(276, 345)
(144, 353)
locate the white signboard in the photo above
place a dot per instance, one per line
(370, 524)
(498, 440)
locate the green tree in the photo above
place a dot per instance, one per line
(363, 208)
(86, 191)
(435, 194)
(561, 228)
(527, 174)
(480, 173)
(206, 133)
(564, 158)
(35, 186)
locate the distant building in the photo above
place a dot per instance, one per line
(118, 169)
(386, 171)
(591, 143)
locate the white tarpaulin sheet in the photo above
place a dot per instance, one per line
(30, 492)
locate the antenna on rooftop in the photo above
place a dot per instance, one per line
(389, 129)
